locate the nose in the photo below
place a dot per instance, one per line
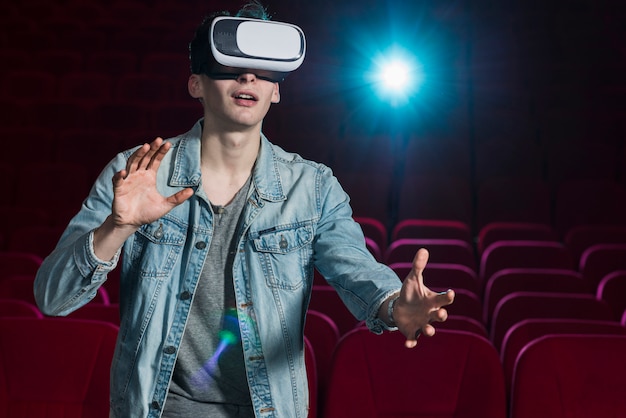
(246, 77)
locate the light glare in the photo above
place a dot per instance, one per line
(396, 76)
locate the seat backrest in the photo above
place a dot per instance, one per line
(431, 228)
(436, 378)
(18, 308)
(506, 281)
(323, 335)
(612, 289)
(443, 275)
(311, 375)
(465, 303)
(463, 323)
(558, 376)
(453, 251)
(518, 306)
(581, 237)
(55, 367)
(507, 231)
(325, 299)
(523, 253)
(17, 263)
(523, 332)
(601, 259)
(375, 230)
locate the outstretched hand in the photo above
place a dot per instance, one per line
(136, 199)
(418, 306)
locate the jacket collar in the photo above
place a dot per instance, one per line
(186, 171)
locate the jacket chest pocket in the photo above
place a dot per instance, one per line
(156, 248)
(285, 255)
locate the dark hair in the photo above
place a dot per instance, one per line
(199, 48)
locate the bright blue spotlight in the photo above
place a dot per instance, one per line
(396, 76)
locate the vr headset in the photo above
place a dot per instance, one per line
(268, 49)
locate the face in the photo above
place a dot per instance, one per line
(234, 103)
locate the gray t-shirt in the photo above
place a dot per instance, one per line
(209, 377)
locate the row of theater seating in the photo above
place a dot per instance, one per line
(351, 373)
(584, 257)
(511, 257)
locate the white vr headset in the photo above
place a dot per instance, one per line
(256, 44)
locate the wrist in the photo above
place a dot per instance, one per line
(390, 307)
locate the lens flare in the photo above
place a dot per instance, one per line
(228, 336)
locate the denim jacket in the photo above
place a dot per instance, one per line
(296, 217)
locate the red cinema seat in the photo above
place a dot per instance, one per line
(438, 378)
(452, 251)
(559, 376)
(522, 333)
(55, 368)
(601, 259)
(508, 231)
(311, 376)
(443, 276)
(523, 253)
(581, 237)
(323, 334)
(612, 289)
(431, 228)
(18, 308)
(325, 299)
(507, 281)
(518, 306)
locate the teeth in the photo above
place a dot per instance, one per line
(245, 96)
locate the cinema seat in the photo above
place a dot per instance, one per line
(376, 376)
(559, 376)
(55, 368)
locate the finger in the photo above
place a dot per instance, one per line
(118, 177)
(135, 159)
(445, 298)
(179, 197)
(157, 157)
(155, 146)
(440, 315)
(419, 264)
(142, 157)
(428, 331)
(412, 342)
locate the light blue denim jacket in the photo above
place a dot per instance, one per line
(297, 217)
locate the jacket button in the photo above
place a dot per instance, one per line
(186, 295)
(170, 349)
(200, 245)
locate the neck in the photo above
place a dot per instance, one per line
(230, 151)
(226, 163)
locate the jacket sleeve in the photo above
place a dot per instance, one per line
(70, 276)
(342, 257)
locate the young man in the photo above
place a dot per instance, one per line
(220, 232)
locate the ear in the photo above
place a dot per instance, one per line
(194, 86)
(276, 94)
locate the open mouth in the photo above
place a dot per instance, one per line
(244, 96)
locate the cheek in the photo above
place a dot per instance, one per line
(275, 95)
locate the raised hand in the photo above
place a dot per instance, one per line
(418, 306)
(136, 199)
